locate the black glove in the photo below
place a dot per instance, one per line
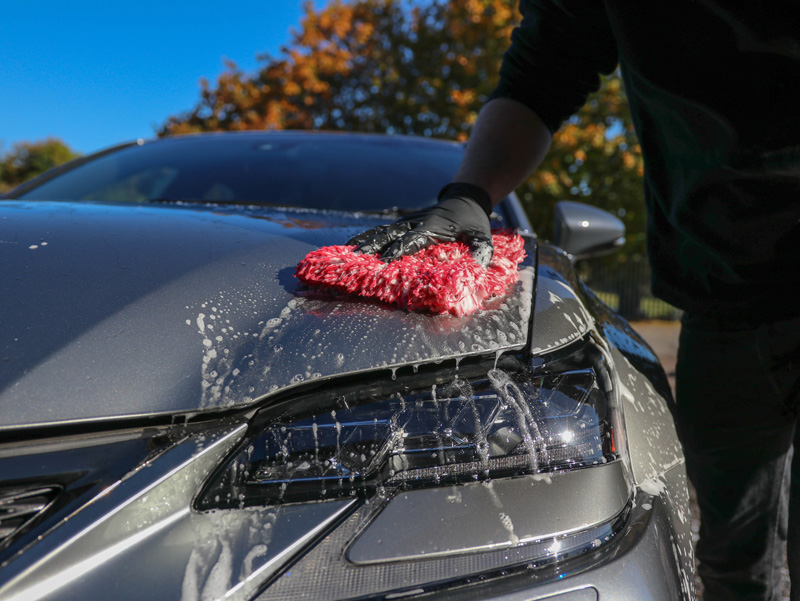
(462, 214)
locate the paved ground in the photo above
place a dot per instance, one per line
(662, 336)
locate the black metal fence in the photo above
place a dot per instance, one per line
(625, 287)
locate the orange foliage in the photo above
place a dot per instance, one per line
(375, 65)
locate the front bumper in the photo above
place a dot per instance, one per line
(651, 560)
(143, 529)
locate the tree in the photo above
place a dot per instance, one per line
(28, 159)
(367, 65)
(409, 68)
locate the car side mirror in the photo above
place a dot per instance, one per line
(584, 231)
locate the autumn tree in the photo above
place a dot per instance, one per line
(367, 65)
(423, 68)
(26, 160)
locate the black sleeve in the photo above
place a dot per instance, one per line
(556, 56)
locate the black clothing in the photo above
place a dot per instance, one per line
(738, 392)
(713, 87)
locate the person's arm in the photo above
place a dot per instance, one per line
(508, 142)
(552, 65)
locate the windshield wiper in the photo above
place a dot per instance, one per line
(195, 201)
(394, 211)
(388, 212)
(391, 212)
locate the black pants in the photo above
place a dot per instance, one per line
(737, 402)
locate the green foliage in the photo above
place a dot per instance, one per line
(26, 160)
(425, 68)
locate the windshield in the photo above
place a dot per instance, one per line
(340, 172)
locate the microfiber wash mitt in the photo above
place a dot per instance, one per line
(443, 278)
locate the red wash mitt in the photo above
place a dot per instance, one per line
(443, 278)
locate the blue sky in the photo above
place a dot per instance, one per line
(95, 73)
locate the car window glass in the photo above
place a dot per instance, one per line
(321, 172)
(139, 187)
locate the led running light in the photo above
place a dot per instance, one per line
(507, 423)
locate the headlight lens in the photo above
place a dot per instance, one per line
(515, 419)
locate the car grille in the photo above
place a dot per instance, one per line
(19, 506)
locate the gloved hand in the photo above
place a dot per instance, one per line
(462, 214)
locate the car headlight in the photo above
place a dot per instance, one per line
(443, 473)
(425, 430)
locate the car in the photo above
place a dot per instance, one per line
(181, 418)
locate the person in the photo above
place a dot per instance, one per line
(713, 90)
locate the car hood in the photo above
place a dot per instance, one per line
(121, 311)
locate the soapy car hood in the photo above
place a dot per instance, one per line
(129, 311)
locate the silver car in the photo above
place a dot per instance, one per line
(181, 419)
